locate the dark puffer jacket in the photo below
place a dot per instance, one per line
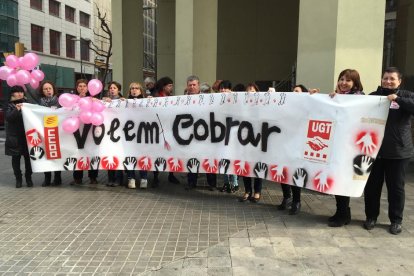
(397, 143)
(15, 136)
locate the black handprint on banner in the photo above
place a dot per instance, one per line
(224, 166)
(267, 98)
(129, 163)
(363, 164)
(160, 164)
(201, 99)
(235, 95)
(300, 178)
(70, 164)
(223, 98)
(95, 162)
(260, 170)
(193, 165)
(36, 153)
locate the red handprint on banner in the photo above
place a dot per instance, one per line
(210, 165)
(145, 163)
(110, 162)
(83, 163)
(279, 173)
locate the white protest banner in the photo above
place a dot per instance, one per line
(312, 141)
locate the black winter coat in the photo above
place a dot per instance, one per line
(397, 143)
(15, 135)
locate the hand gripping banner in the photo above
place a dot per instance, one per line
(312, 141)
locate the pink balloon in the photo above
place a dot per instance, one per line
(11, 80)
(30, 61)
(85, 116)
(23, 77)
(21, 62)
(97, 106)
(66, 100)
(12, 61)
(34, 83)
(97, 119)
(75, 98)
(95, 87)
(85, 103)
(5, 71)
(70, 125)
(37, 75)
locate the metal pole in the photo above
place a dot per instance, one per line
(80, 52)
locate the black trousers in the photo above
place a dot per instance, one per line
(211, 179)
(342, 203)
(248, 185)
(91, 174)
(393, 171)
(16, 166)
(48, 175)
(289, 190)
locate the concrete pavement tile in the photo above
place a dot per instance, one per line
(192, 271)
(259, 242)
(242, 271)
(219, 271)
(218, 251)
(265, 251)
(195, 262)
(285, 252)
(239, 242)
(281, 241)
(329, 250)
(224, 261)
(345, 241)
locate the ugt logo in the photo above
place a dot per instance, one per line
(51, 131)
(318, 140)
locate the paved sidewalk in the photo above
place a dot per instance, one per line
(96, 230)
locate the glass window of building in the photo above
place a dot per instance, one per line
(37, 38)
(69, 14)
(54, 42)
(36, 4)
(70, 46)
(84, 44)
(54, 8)
(84, 19)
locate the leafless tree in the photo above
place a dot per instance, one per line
(105, 53)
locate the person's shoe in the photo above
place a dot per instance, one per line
(285, 204)
(235, 188)
(131, 183)
(256, 198)
(19, 183)
(143, 184)
(245, 197)
(29, 182)
(94, 181)
(342, 218)
(78, 181)
(173, 179)
(334, 217)
(395, 228)
(224, 188)
(369, 223)
(295, 209)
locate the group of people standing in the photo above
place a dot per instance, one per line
(390, 164)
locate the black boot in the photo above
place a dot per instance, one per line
(286, 203)
(334, 217)
(29, 181)
(344, 218)
(295, 209)
(156, 181)
(19, 182)
(48, 177)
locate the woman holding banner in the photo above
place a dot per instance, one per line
(349, 83)
(49, 98)
(82, 91)
(394, 154)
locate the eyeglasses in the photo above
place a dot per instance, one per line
(135, 88)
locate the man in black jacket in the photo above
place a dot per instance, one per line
(393, 156)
